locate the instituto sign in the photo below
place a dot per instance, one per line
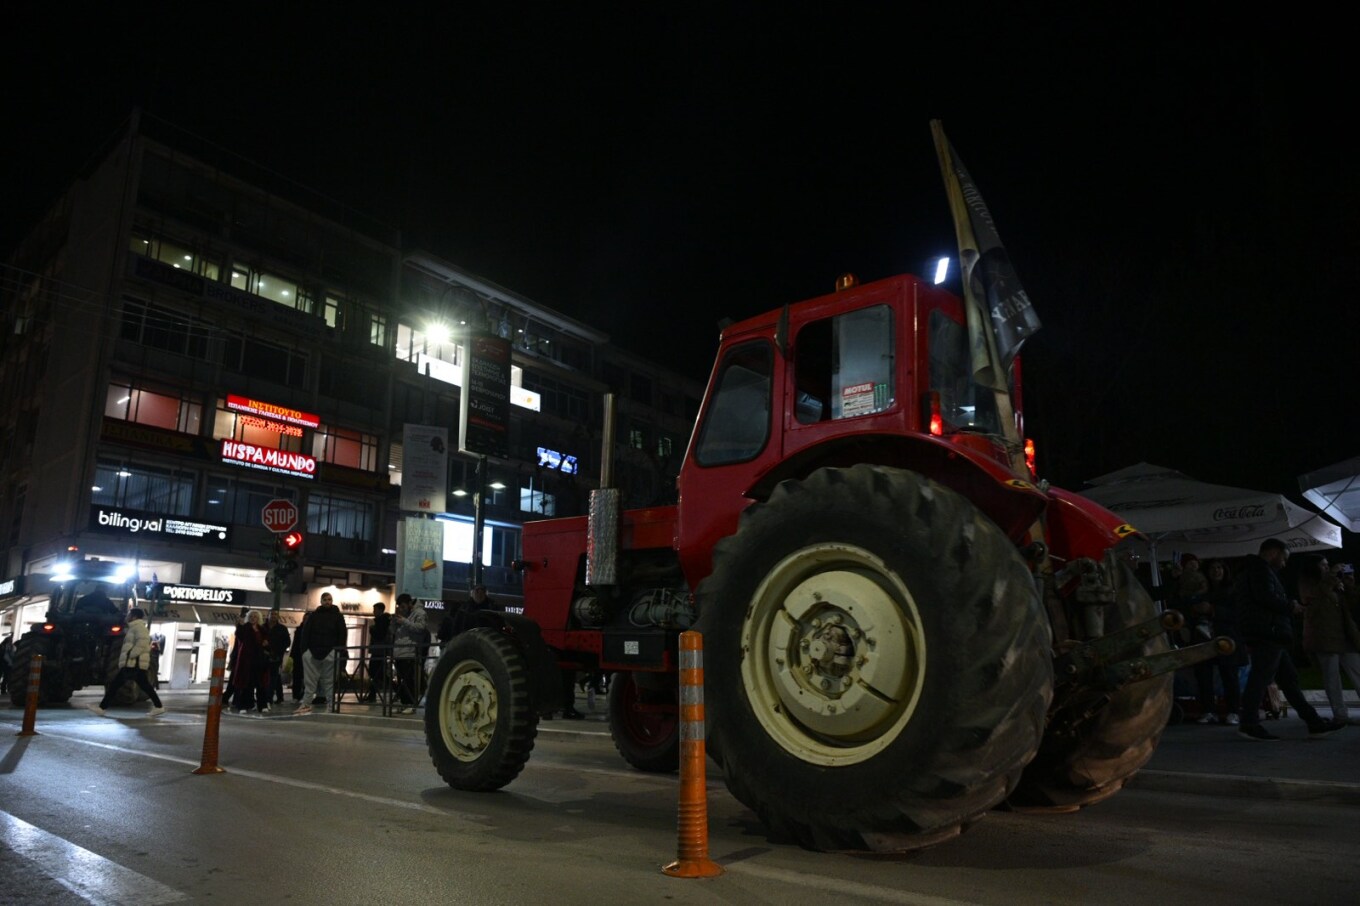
(271, 412)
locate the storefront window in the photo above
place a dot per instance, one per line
(135, 402)
(251, 429)
(240, 502)
(343, 447)
(340, 517)
(137, 487)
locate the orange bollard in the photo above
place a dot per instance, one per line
(219, 670)
(693, 861)
(31, 704)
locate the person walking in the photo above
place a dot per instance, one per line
(379, 648)
(133, 660)
(410, 640)
(324, 631)
(1330, 634)
(6, 662)
(279, 641)
(1264, 613)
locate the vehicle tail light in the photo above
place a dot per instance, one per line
(49, 627)
(1029, 457)
(115, 629)
(934, 421)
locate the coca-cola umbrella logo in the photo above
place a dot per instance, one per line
(1235, 513)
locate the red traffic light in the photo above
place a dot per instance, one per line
(292, 541)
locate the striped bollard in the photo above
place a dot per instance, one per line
(219, 670)
(31, 704)
(693, 861)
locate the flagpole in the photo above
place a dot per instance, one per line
(978, 329)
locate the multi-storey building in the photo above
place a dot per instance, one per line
(187, 337)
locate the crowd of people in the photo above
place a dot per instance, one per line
(1250, 602)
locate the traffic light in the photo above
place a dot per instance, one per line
(287, 559)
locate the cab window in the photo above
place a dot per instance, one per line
(843, 366)
(737, 423)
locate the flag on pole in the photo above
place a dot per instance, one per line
(1000, 316)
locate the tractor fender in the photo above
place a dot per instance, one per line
(545, 677)
(1011, 502)
(1077, 526)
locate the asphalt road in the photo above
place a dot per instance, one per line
(347, 809)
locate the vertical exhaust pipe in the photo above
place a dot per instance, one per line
(602, 537)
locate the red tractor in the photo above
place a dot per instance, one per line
(902, 630)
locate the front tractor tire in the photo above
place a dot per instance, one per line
(1081, 763)
(878, 661)
(644, 720)
(480, 725)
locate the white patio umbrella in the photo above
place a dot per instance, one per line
(1174, 510)
(1335, 491)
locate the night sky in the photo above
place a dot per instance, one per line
(1178, 195)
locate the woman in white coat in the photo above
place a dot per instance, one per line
(133, 661)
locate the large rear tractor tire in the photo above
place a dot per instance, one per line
(1079, 768)
(878, 663)
(54, 687)
(644, 720)
(480, 725)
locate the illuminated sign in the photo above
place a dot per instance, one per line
(281, 462)
(12, 586)
(272, 412)
(192, 594)
(251, 421)
(114, 521)
(551, 459)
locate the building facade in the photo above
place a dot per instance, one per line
(188, 338)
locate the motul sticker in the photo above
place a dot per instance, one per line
(857, 399)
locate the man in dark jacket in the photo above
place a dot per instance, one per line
(279, 640)
(380, 649)
(324, 633)
(1265, 619)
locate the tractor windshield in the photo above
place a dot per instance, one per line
(964, 405)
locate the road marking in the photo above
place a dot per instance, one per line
(844, 890)
(87, 875)
(275, 778)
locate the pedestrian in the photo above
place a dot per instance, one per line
(379, 649)
(1216, 607)
(464, 616)
(6, 662)
(1330, 634)
(325, 632)
(133, 660)
(295, 655)
(1265, 619)
(410, 641)
(279, 641)
(250, 679)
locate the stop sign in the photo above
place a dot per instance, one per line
(279, 515)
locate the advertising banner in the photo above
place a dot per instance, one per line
(484, 413)
(424, 468)
(420, 558)
(136, 523)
